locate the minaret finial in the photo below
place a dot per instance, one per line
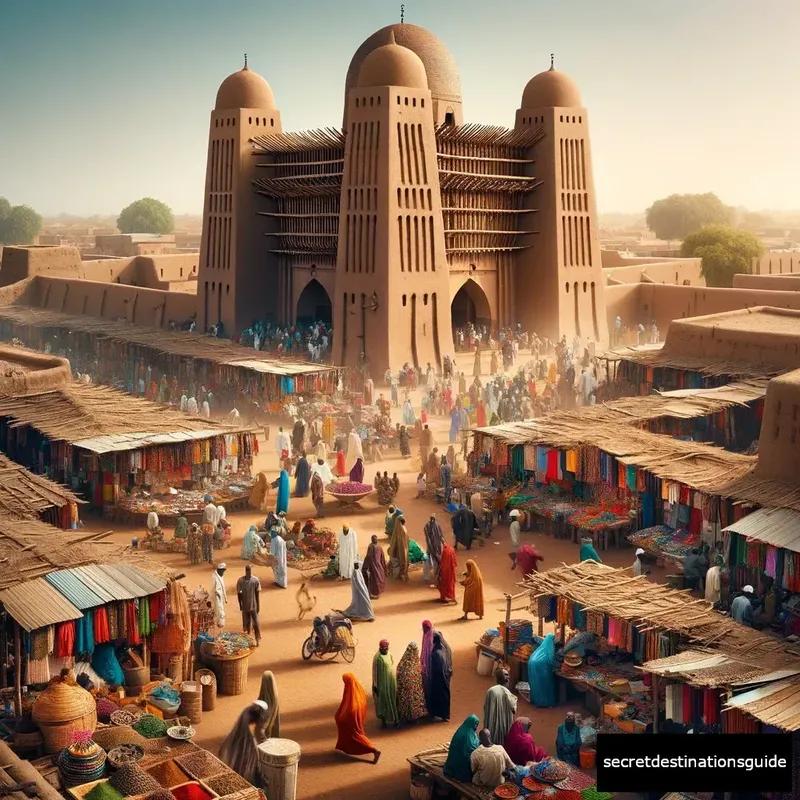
(392, 40)
(402, 14)
(245, 61)
(552, 59)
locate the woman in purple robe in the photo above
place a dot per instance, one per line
(374, 569)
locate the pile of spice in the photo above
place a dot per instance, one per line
(103, 791)
(131, 779)
(161, 794)
(231, 643)
(227, 783)
(109, 738)
(168, 774)
(150, 726)
(202, 765)
(125, 754)
(105, 708)
(191, 791)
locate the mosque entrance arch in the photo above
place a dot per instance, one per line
(314, 305)
(470, 304)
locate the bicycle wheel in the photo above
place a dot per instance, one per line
(349, 654)
(308, 649)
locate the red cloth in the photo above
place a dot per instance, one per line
(448, 566)
(520, 746)
(696, 521)
(481, 415)
(102, 633)
(341, 464)
(528, 560)
(133, 623)
(552, 465)
(350, 718)
(687, 704)
(65, 639)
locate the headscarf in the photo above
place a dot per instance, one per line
(269, 694)
(239, 749)
(426, 651)
(519, 743)
(464, 742)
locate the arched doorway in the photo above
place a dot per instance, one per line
(314, 305)
(470, 305)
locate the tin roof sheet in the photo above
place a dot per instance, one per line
(119, 442)
(74, 589)
(36, 603)
(99, 582)
(779, 527)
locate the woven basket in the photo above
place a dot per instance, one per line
(232, 673)
(208, 681)
(175, 669)
(60, 710)
(191, 702)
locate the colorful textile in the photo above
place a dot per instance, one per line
(410, 690)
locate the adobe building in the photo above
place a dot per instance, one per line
(410, 220)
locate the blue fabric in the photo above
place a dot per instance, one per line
(648, 510)
(588, 552)
(540, 673)
(105, 664)
(455, 424)
(84, 634)
(541, 458)
(464, 742)
(282, 503)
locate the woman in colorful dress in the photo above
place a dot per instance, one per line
(350, 716)
(410, 692)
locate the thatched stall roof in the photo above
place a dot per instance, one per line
(24, 494)
(712, 668)
(80, 413)
(221, 352)
(777, 704)
(648, 605)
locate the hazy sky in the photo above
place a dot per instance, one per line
(105, 101)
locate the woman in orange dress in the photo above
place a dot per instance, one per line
(473, 591)
(350, 721)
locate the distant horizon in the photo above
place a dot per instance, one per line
(681, 97)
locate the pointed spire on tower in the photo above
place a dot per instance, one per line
(392, 40)
(245, 62)
(402, 14)
(552, 59)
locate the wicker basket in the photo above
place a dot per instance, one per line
(60, 710)
(191, 702)
(208, 681)
(231, 673)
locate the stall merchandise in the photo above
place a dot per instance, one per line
(665, 542)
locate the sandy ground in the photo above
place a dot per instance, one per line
(310, 692)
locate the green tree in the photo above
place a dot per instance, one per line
(678, 215)
(18, 224)
(146, 216)
(724, 252)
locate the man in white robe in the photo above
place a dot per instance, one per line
(283, 444)
(278, 553)
(348, 552)
(355, 449)
(324, 470)
(219, 598)
(184, 403)
(152, 521)
(191, 407)
(233, 416)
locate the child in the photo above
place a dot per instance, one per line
(422, 485)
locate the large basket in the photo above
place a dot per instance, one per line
(191, 702)
(208, 681)
(60, 710)
(231, 673)
(349, 499)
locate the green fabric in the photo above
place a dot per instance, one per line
(462, 745)
(588, 553)
(415, 554)
(181, 528)
(385, 687)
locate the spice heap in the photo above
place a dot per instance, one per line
(202, 765)
(191, 791)
(131, 779)
(117, 735)
(227, 783)
(150, 726)
(123, 716)
(349, 487)
(230, 643)
(105, 708)
(103, 791)
(168, 774)
(551, 770)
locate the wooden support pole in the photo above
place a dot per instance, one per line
(17, 670)
(507, 634)
(656, 704)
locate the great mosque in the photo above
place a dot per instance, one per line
(407, 221)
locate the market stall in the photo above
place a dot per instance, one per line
(665, 543)
(24, 495)
(112, 351)
(119, 451)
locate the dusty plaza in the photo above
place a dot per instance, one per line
(401, 467)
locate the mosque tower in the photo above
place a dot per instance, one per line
(560, 286)
(392, 296)
(232, 282)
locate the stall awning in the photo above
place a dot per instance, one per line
(779, 527)
(133, 441)
(69, 584)
(777, 704)
(36, 603)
